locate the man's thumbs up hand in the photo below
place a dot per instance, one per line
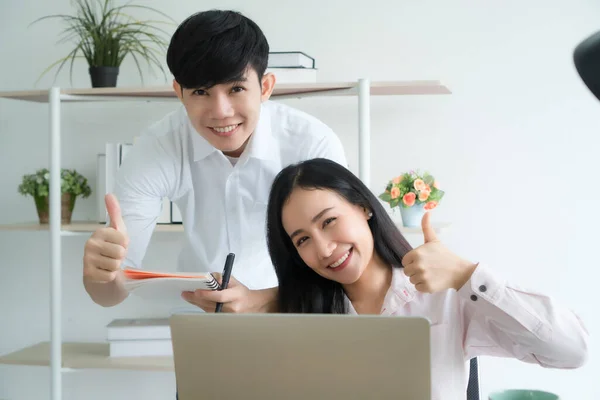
(114, 213)
(106, 249)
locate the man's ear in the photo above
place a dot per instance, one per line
(178, 90)
(268, 84)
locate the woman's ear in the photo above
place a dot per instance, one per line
(368, 213)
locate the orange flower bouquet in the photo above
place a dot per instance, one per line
(414, 193)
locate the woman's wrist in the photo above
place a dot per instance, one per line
(464, 273)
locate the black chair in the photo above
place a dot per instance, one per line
(586, 57)
(473, 386)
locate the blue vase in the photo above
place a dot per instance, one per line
(412, 216)
(517, 394)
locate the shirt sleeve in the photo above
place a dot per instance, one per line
(329, 147)
(501, 319)
(144, 179)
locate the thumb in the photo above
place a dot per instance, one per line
(232, 281)
(428, 231)
(114, 213)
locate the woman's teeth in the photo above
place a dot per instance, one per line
(226, 129)
(340, 261)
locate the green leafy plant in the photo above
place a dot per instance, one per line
(413, 188)
(104, 35)
(38, 184)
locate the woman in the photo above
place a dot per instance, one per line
(335, 250)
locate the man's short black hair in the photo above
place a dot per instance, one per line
(214, 47)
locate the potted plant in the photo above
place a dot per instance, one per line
(72, 185)
(414, 193)
(104, 34)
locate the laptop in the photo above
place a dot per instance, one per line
(307, 356)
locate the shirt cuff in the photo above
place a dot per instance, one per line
(482, 285)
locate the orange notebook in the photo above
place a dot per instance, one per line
(166, 285)
(139, 274)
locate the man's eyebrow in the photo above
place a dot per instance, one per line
(235, 79)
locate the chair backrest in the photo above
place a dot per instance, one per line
(587, 61)
(473, 386)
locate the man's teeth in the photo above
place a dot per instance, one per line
(226, 129)
(340, 261)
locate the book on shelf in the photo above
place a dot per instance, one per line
(175, 214)
(101, 188)
(294, 75)
(115, 154)
(165, 212)
(290, 59)
(123, 329)
(139, 337)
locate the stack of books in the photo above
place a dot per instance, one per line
(292, 67)
(146, 337)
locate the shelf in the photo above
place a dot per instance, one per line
(393, 88)
(86, 226)
(81, 227)
(85, 355)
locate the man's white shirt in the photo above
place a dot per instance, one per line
(223, 206)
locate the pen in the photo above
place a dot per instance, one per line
(226, 275)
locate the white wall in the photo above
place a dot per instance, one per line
(513, 146)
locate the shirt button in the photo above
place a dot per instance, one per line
(482, 288)
(473, 297)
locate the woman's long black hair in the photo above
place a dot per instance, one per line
(301, 290)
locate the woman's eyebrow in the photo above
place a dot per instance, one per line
(313, 220)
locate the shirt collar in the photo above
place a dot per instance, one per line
(401, 291)
(201, 147)
(259, 145)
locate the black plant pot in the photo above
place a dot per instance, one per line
(104, 76)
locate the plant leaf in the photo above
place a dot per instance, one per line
(105, 35)
(385, 197)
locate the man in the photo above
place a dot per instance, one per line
(215, 158)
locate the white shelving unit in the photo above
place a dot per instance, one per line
(63, 356)
(83, 227)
